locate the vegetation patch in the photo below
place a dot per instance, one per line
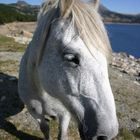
(9, 13)
(137, 132)
(125, 134)
(9, 44)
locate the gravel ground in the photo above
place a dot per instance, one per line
(14, 56)
(17, 124)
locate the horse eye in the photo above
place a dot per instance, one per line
(72, 59)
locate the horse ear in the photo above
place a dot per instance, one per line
(96, 4)
(65, 7)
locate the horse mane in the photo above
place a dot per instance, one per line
(86, 19)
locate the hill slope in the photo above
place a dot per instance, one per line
(110, 16)
(22, 11)
(10, 13)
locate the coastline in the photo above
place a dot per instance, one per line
(121, 23)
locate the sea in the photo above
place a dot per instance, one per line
(125, 38)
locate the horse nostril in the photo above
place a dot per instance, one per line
(102, 138)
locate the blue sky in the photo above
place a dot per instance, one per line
(122, 6)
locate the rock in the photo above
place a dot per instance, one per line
(131, 57)
(137, 132)
(126, 63)
(26, 34)
(1, 80)
(14, 79)
(138, 79)
(22, 39)
(3, 98)
(134, 120)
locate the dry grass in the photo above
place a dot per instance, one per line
(9, 67)
(9, 44)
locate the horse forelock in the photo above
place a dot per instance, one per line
(91, 28)
(86, 19)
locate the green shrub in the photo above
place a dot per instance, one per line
(126, 134)
(137, 132)
(9, 14)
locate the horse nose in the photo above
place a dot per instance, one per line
(102, 138)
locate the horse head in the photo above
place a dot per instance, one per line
(72, 63)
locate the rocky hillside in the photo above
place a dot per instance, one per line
(125, 82)
(127, 64)
(22, 11)
(110, 16)
(26, 8)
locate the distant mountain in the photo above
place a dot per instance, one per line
(110, 16)
(22, 3)
(26, 8)
(103, 9)
(23, 9)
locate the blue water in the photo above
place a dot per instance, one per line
(125, 38)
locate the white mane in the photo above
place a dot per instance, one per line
(86, 19)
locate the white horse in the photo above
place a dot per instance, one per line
(64, 71)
